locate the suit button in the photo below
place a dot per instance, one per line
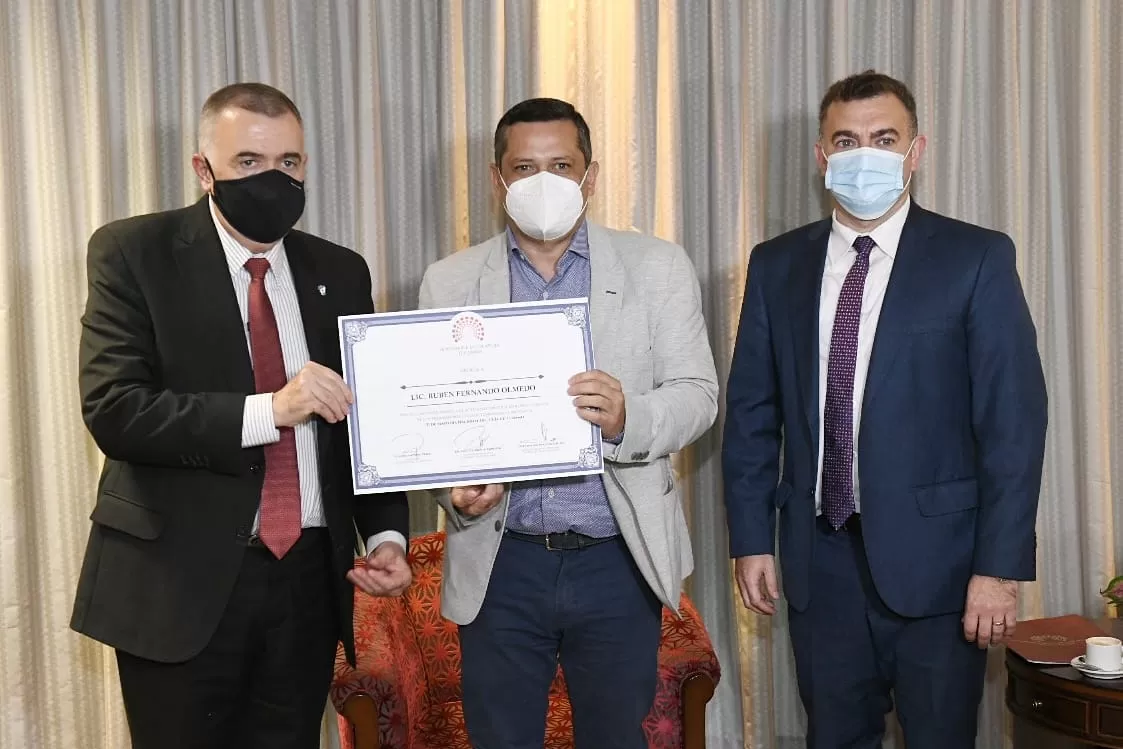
(255, 468)
(811, 493)
(498, 525)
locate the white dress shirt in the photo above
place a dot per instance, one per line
(840, 257)
(258, 424)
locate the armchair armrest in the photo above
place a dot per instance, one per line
(388, 678)
(688, 674)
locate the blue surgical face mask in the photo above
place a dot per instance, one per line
(866, 181)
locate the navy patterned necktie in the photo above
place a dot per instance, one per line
(838, 414)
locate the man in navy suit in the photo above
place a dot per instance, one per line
(889, 353)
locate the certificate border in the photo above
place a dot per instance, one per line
(365, 478)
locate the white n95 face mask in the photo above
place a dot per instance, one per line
(545, 206)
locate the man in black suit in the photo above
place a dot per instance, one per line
(225, 524)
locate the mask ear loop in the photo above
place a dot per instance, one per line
(211, 170)
(585, 201)
(904, 159)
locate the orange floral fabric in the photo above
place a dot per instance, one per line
(409, 663)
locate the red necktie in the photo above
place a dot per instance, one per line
(280, 495)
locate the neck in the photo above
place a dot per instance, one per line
(255, 247)
(544, 254)
(865, 227)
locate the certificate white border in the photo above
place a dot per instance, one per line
(365, 478)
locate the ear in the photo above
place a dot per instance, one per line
(821, 158)
(590, 186)
(918, 148)
(199, 165)
(497, 186)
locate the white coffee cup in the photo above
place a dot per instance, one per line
(1104, 653)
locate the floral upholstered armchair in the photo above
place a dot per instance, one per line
(405, 691)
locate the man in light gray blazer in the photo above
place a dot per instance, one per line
(576, 571)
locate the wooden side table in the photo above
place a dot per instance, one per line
(1056, 707)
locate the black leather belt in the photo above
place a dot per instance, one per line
(568, 541)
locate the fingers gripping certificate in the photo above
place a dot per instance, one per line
(468, 396)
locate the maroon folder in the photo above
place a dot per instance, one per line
(1056, 640)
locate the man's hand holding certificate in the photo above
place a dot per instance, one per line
(476, 396)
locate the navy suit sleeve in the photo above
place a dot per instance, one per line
(751, 445)
(1009, 417)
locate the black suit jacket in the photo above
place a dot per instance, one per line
(164, 372)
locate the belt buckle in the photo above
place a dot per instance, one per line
(548, 547)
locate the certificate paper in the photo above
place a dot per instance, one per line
(468, 396)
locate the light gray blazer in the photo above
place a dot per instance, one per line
(648, 332)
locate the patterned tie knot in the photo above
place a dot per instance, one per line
(259, 266)
(864, 244)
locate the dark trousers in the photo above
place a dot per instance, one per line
(262, 680)
(589, 610)
(854, 657)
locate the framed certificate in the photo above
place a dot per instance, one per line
(471, 395)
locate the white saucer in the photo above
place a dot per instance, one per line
(1078, 664)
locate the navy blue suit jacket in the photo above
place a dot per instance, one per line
(953, 420)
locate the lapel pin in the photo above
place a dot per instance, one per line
(322, 289)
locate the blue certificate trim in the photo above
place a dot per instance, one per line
(366, 478)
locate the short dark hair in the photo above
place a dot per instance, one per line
(543, 110)
(867, 85)
(259, 98)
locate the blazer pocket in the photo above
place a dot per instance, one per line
(116, 512)
(947, 497)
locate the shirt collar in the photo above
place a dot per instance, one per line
(237, 254)
(579, 245)
(887, 236)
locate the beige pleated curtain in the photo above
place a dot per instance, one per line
(703, 115)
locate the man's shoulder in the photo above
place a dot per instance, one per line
(467, 262)
(963, 233)
(636, 246)
(791, 243)
(327, 251)
(147, 230)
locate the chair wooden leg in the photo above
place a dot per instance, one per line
(362, 712)
(696, 692)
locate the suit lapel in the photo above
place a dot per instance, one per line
(805, 290)
(906, 284)
(495, 281)
(209, 297)
(314, 307)
(606, 291)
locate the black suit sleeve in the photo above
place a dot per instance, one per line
(374, 513)
(130, 415)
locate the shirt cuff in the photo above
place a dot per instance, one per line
(380, 538)
(616, 440)
(258, 425)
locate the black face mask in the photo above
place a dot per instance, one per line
(263, 207)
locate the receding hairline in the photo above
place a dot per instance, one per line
(257, 98)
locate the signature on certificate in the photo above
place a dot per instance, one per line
(408, 445)
(474, 438)
(547, 438)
